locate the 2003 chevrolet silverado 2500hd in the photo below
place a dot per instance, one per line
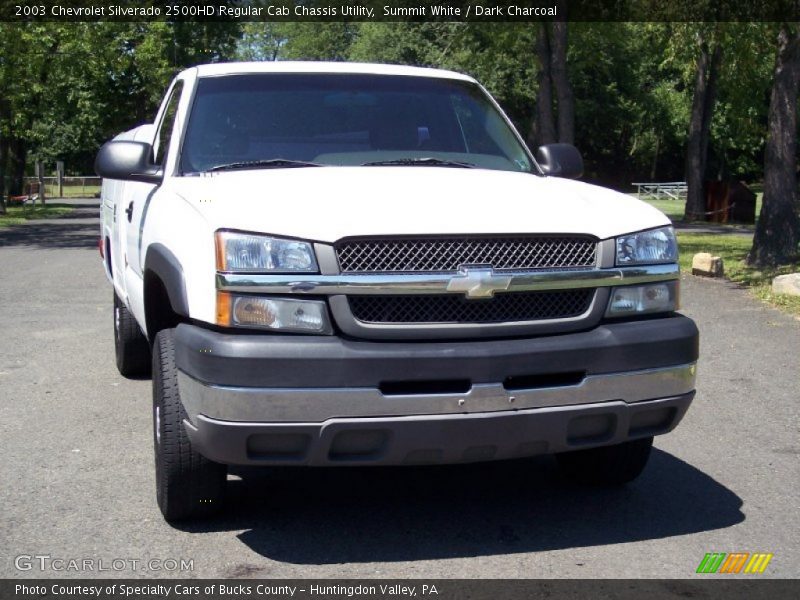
(350, 264)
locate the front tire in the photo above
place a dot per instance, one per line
(188, 485)
(607, 465)
(130, 344)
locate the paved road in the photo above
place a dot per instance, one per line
(77, 467)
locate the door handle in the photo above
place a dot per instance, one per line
(129, 211)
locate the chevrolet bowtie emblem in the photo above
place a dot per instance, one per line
(478, 282)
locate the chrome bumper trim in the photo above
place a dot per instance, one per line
(440, 283)
(320, 404)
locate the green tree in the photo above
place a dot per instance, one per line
(777, 236)
(722, 69)
(709, 43)
(317, 41)
(260, 41)
(70, 86)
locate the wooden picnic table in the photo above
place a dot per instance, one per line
(669, 189)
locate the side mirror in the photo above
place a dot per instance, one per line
(560, 160)
(128, 161)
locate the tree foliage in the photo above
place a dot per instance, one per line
(68, 87)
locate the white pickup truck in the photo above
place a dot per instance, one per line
(331, 264)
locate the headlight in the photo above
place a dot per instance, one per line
(245, 252)
(279, 314)
(647, 247)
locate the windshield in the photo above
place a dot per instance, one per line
(285, 120)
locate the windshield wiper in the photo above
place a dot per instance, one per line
(272, 163)
(419, 162)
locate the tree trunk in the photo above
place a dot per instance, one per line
(778, 230)
(699, 129)
(543, 129)
(4, 114)
(655, 159)
(708, 105)
(3, 163)
(566, 99)
(17, 166)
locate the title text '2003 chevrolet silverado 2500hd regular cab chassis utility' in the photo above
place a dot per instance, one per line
(347, 264)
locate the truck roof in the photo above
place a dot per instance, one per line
(231, 68)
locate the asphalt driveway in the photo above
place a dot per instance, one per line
(77, 468)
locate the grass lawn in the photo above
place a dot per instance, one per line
(674, 208)
(733, 249)
(20, 214)
(73, 191)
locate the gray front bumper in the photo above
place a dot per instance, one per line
(435, 439)
(319, 400)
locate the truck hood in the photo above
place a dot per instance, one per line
(329, 203)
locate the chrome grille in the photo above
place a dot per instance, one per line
(449, 308)
(448, 254)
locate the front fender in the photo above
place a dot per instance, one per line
(178, 247)
(162, 262)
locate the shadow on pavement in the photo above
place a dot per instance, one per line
(75, 203)
(701, 227)
(80, 203)
(58, 233)
(81, 214)
(329, 516)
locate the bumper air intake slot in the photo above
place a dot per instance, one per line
(532, 382)
(413, 388)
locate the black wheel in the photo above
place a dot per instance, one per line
(132, 348)
(188, 485)
(607, 465)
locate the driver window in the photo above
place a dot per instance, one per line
(166, 127)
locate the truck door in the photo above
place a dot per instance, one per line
(134, 211)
